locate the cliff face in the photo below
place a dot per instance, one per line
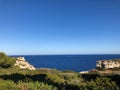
(106, 64)
(23, 64)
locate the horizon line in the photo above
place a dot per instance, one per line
(67, 54)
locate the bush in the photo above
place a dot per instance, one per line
(102, 83)
(35, 86)
(7, 85)
(6, 61)
(54, 78)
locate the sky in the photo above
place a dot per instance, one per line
(59, 27)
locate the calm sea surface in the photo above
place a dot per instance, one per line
(67, 62)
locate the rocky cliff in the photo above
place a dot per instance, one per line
(106, 64)
(23, 64)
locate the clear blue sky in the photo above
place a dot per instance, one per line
(60, 26)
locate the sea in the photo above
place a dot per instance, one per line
(76, 63)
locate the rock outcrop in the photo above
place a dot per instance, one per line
(106, 64)
(84, 72)
(23, 64)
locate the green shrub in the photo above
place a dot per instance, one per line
(5, 61)
(54, 78)
(7, 85)
(35, 86)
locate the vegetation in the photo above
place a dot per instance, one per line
(5, 61)
(14, 78)
(55, 80)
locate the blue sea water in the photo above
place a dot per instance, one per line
(67, 62)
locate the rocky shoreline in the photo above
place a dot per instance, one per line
(102, 66)
(23, 64)
(111, 66)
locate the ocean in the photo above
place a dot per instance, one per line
(67, 62)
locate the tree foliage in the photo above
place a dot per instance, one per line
(6, 61)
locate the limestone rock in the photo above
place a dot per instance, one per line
(106, 64)
(23, 64)
(84, 72)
